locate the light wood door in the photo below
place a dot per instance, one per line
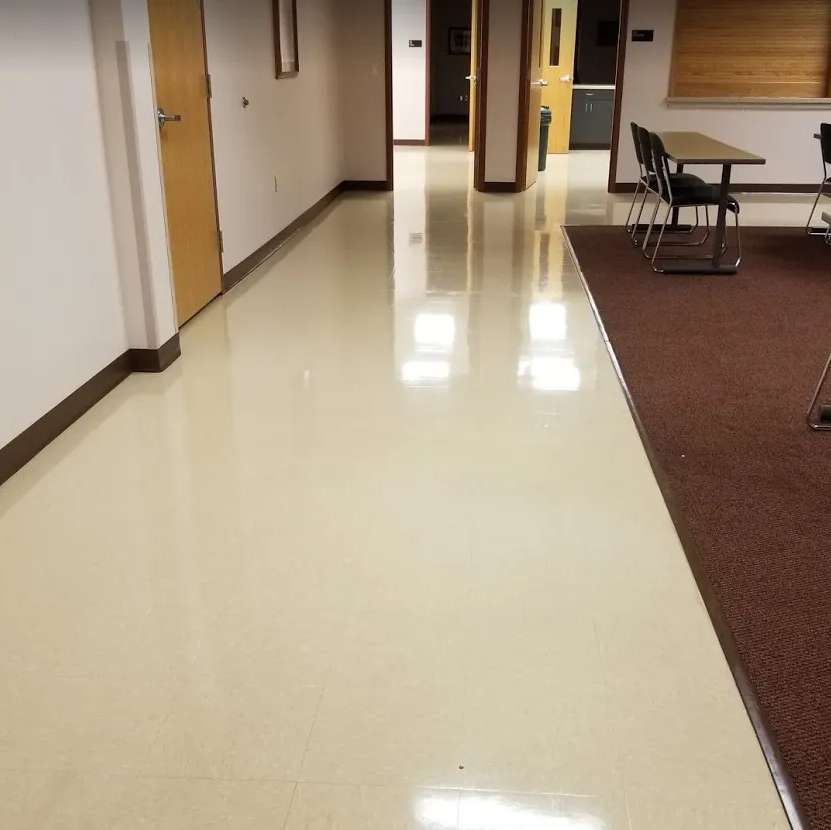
(559, 32)
(474, 73)
(534, 81)
(179, 65)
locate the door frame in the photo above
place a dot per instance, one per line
(210, 103)
(527, 32)
(389, 184)
(522, 124)
(481, 115)
(620, 71)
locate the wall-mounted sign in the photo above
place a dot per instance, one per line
(643, 35)
(416, 44)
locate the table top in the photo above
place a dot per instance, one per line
(697, 148)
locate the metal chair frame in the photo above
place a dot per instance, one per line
(661, 165)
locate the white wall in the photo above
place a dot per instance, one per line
(362, 89)
(504, 51)
(61, 314)
(409, 70)
(449, 87)
(290, 130)
(784, 136)
(121, 40)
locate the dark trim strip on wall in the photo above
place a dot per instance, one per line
(156, 360)
(253, 261)
(371, 187)
(22, 449)
(600, 146)
(620, 78)
(764, 734)
(411, 142)
(499, 187)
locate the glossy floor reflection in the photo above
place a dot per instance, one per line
(382, 550)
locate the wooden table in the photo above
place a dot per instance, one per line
(696, 148)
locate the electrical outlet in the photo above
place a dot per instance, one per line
(276, 184)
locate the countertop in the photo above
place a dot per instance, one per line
(594, 86)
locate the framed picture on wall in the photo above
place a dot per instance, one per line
(286, 52)
(459, 42)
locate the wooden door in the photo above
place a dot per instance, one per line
(559, 44)
(474, 73)
(179, 66)
(531, 98)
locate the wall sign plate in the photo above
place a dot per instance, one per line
(643, 35)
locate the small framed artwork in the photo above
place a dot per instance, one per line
(459, 42)
(286, 57)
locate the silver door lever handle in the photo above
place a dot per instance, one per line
(471, 78)
(542, 82)
(164, 117)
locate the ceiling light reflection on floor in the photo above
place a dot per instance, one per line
(551, 374)
(490, 812)
(435, 330)
(425, 372)
(547, 322)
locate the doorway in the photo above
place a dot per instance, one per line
(451, 71)
(580, 49)
(177, 34)
(570, 64)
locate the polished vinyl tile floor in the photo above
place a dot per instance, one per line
(381, 551)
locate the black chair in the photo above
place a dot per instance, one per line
(677, 194)
(819, 417)
(643, 180)
(825, 148)
(651, 186)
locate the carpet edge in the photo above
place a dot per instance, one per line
(764, 734)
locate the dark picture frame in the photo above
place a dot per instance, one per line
(458, 41)
(286, 42)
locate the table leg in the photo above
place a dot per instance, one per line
(721, 222)
(714, 266)
(676, 213)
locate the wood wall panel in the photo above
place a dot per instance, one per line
(752, 48)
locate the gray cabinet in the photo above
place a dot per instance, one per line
(592, 117)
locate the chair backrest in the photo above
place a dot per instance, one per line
(637, 142)
(825, 142)
(660, 164)
(646, 149)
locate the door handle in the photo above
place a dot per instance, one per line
(164, 117)
(542, 82)
(471, 78)
(566, 79)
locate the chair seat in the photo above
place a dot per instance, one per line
(676, 179)
(702, 195)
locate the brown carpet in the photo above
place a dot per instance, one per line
(721, 370)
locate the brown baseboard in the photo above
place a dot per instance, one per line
(410, 142)
(155, 360)
(629, 187)
(21, 450)
(250, 263)
(371, 186)
(499, 187)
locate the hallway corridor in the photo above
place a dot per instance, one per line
(381, 551)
